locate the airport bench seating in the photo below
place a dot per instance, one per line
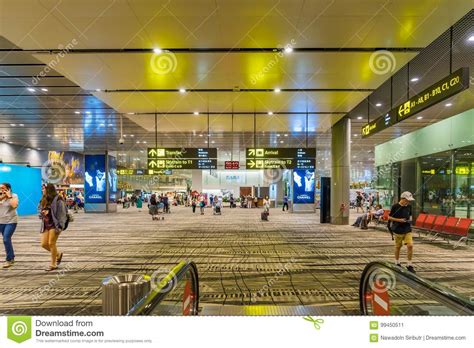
(443, 226)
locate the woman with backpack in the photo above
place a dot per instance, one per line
(53, 213)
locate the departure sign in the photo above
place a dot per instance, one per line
(231, 165)
(156, 164)
(281, 153)
(443, 89)
(182, 152)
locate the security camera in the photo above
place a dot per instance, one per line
(121, 141)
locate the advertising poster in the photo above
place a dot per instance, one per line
(303, 186)
(112, 173)
(66, 168)
(95, 179)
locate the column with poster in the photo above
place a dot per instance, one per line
(303, 190)
(100, 183)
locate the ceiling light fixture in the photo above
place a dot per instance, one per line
(98, 90)
(414, 79)
(270, 113)
(288, 49)
(378, 104)
(44, 89)
(471, 38)
(359, 117)
(182, 90)
(277, 90)
(157, 50)
(13, 124)
(77, 112)
(196, 113)
(21, 125)
(448, 104)
(419, 117)
(31, 89)
(88, 112)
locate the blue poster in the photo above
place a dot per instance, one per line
(112, 165)
(94, 179)
(303, 186)
(26, 183)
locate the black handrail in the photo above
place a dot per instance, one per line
(146, 305)
(440, 292)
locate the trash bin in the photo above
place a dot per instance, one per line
(120, 293)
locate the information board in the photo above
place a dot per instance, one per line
(182, 163)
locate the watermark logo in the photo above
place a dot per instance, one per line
(382, 280)
(53, 172)
(316, 322)
(163, 280)
(19, 329)
(382, 62)
(163, 63)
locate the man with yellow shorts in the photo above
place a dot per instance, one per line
(399, 218)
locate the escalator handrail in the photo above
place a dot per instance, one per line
(147, 304)
(440, 291)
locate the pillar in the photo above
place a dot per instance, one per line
(196, 178)
(340, 171)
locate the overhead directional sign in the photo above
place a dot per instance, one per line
(129, 171)
(283, 152)
(441, 90)
(156, 164)
(231, 165)
(280, 158)
(181, 152)
(280, 163)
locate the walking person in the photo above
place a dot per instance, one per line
(399, 219)
(359, 200)
(202, 204)
(285, 202)
(193, 204)
(8, 221)
(53, 213)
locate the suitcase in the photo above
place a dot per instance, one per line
(264, 216)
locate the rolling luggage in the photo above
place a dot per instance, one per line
(264, 216)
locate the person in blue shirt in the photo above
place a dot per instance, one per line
(285, 202)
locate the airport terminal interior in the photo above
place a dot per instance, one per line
(237, 157)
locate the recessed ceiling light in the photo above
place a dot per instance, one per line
(286, 135)
(471, 38)
(359, 117)
(414, 79)
(448, 104)
(125, 135)
(281, 141)
(77, 112)
(200, 135)
(13, 124)
(270, 113)
(419, 117)
(196, 112)
(56, 135)
(355, 135)
(97, 89)
(21, 125)
(10, 142)
(144, 142)
(206, 141)
(288, 49)
(44, 89)
(138, 141)
(48, 135)
(110, 125)
(378, 104)
(278, 135)
(157, 50)
(130, 113)
(132, 135)
(212, 142)
(28, 149)
(277, 90)
(88, 112)
(182, 90)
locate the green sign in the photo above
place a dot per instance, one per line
(441, 90)
(19, 329)
(129, 171)
(161, 164)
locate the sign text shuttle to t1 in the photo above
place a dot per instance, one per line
(441, 90)
(181, 158)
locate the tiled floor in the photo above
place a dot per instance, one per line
(237, 255)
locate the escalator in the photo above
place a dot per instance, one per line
(385, 289)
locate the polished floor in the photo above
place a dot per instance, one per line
(238, 256)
